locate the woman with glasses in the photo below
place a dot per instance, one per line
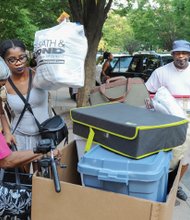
(8, 158)
(26, 134)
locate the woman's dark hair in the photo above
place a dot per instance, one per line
(32, 62)
(106, 55)
(8, 44)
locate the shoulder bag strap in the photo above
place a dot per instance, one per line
(27, 104)
(53, 111)
(25, 100)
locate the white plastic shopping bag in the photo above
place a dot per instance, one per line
(164, 102)
(60, 53)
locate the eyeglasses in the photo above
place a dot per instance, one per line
(21, 59)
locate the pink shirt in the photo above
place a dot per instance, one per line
(4, 148)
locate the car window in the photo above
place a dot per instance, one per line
(135, 64)
(114, 61)
(166, 60)
(122, 64)
(152, 63)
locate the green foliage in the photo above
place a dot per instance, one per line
(152, 25)
(115, 31)
(146, 24)
(25, 22)
(21, 19)
(158, 23)
(132, 45)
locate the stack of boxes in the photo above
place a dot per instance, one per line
(133, 150)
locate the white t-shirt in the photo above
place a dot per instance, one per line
(175, 80)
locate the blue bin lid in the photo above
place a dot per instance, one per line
(110, 166)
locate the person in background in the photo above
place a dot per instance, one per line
(107, 67)
(9, 159)
(175, 76)
(26, 135)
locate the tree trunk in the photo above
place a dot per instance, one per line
(92, 14)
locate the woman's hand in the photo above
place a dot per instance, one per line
(57, 153)
(10, 138)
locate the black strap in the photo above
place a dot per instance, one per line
(27, 105)
(25, 100)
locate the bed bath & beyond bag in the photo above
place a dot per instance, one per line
(60, 53)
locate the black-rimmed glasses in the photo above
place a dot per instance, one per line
(21, 59)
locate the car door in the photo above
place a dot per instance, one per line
(120, 65)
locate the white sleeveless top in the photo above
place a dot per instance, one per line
(39, 102)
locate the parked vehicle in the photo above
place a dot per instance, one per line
(142, 65)
(120, 64)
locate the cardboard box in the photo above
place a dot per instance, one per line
(76, 202)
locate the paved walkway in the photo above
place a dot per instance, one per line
(62, 104)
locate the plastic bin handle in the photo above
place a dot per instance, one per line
(113, 177)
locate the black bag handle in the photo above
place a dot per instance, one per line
(22, 97)
(27, 105)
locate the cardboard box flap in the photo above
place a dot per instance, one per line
(70, 159)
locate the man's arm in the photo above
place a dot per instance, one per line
(153, 83)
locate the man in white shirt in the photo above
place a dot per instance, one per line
(175, 76)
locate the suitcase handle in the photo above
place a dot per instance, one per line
(113, 79)
(118, 81)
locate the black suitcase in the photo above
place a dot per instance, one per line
(129, 130)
